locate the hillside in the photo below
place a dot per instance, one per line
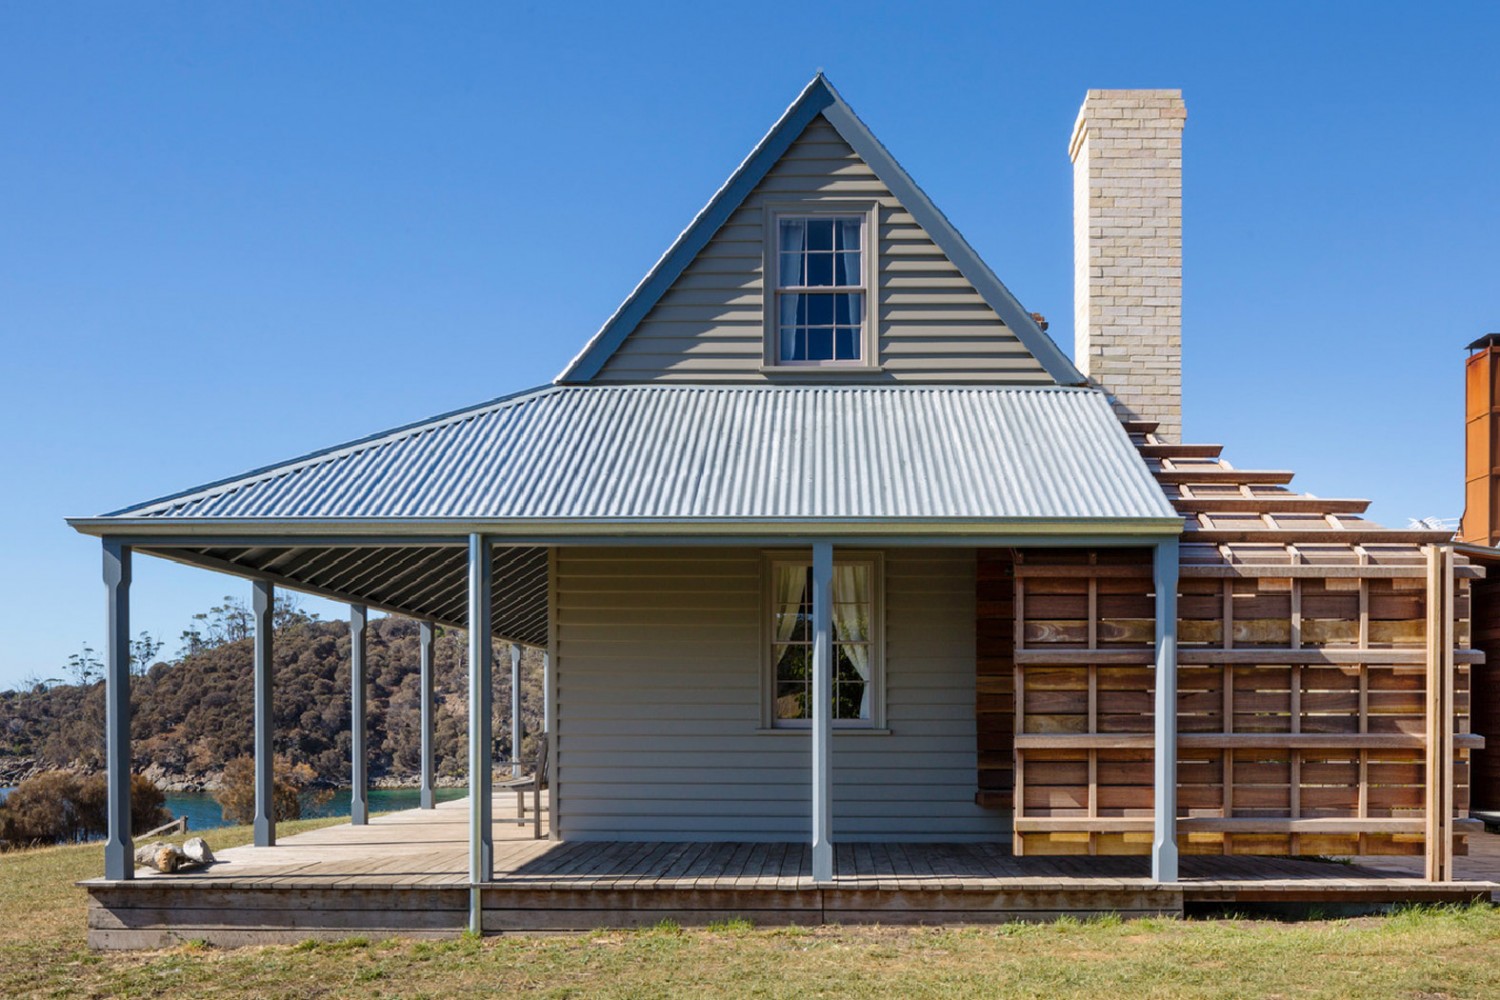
(191, 716)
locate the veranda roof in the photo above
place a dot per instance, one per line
(381, 521)
(904, 457)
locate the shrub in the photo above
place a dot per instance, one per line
(60, 806)
(236, 794)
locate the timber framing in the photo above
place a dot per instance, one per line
(1323, 679)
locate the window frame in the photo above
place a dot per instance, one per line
(868, 212)
(770, 561)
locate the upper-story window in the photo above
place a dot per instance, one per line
(818, 312)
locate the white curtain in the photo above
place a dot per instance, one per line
(793, 239)
(791, 582)
(851, 623)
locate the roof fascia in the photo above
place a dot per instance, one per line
(813, 100)
(154, 531)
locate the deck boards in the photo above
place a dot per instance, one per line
(406, 874)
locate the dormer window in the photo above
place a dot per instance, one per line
(819, 264)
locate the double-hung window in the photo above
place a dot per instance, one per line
(858, 671)
(818, 309)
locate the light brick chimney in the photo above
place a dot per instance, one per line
(1127, 250)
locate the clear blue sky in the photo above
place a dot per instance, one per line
(233, 233)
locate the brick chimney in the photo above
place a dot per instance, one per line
(1127, 250)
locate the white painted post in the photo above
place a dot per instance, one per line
(262, 602)
(481, 847)
(119, 848)
(515, 709)
(359, 805)
(822, 712)
(1164, 841)
(426, 683)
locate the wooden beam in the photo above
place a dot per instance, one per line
(1315, 536)
(1439, 711)
(1169, 450)
(1290, 503)
(1219, 475)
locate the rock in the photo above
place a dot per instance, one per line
(146, 854)
(198, 851)
(169, 858)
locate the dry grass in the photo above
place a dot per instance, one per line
(1446, 952)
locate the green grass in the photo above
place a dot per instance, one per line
(1415, 953)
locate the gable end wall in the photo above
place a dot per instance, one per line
(933, 325)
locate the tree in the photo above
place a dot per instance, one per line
(143, 653)
(236, 794)
(288, 611)
(85, 666)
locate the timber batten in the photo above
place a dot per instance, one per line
(1323, 679)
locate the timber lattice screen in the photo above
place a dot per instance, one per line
(1303, 678)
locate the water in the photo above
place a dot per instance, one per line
(203, 812)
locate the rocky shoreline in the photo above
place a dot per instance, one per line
(13, 771)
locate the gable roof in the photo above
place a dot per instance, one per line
(655, 455)
(818, 98)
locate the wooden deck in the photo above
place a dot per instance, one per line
(406, 874)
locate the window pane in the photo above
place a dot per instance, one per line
(819, 234)
(819, 270)
(820, 343)
(792, 662)
(847, 307)
(851, 584)
(848, 235)
(793, 701)
(791, 269)
(845, 344)
(792, 346)
(793, 235)
(848, 270)
(820, 309)
(790, 301)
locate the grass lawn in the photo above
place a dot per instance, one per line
(1453, 952)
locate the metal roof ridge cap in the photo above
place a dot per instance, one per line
(344, 448)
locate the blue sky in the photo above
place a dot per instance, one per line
(230, 234)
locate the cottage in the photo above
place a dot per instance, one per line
(828, 543)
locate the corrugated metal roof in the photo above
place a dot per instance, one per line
(703, 453)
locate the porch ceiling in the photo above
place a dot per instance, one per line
(428, 582)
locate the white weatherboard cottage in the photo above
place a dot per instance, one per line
(745, 521)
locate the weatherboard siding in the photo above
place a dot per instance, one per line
(658, 705)
(932, 324)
